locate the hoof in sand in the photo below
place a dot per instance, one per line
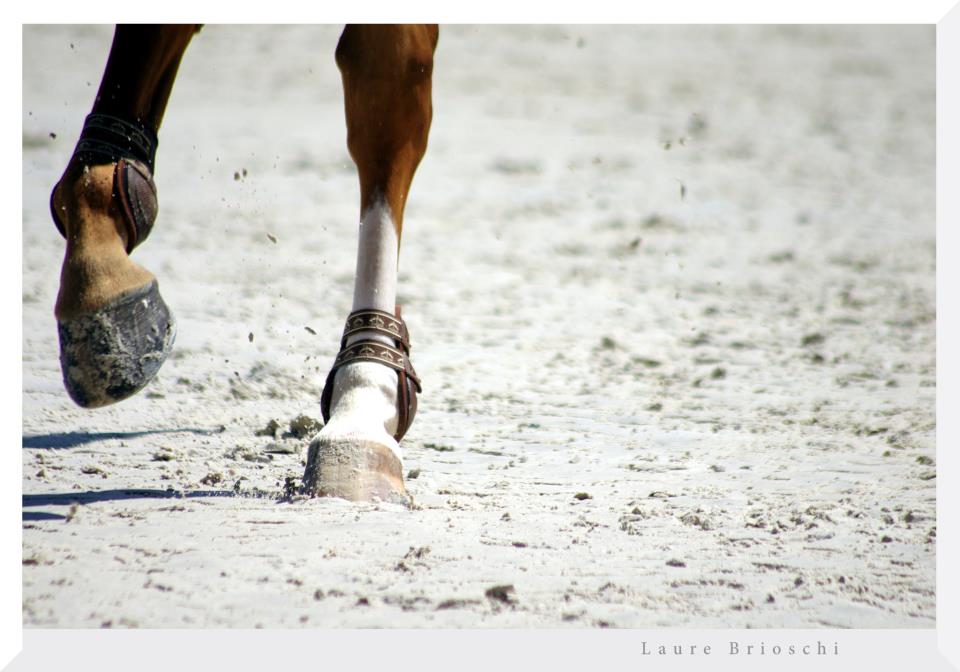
(356, 469)
(111, 353)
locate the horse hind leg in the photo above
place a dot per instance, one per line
(115, 330)
(368, 405)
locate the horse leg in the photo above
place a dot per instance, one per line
(386, 74)
(115, 331)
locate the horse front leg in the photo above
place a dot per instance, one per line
(369, 399)
(115, 330)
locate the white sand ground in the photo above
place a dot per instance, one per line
(687, 271)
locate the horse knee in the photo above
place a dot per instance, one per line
(418, 52)
(387, 87)
(398, 53)
(387, 94)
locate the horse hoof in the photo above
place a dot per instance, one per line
(113, 352)
(356, 469)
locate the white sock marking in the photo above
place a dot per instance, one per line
(364, 401)
(375, 284)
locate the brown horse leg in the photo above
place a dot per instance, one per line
(387, 93)
(115, 330)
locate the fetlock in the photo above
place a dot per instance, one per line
(96, 267)
(364, 402)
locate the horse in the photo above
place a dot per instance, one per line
(115, 331)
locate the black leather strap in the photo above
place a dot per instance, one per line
(379, 321)
(106, 139)
(134, 187)
(397, 357)
(135, 193)
(132, 146)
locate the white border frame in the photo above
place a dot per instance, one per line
(466, 650)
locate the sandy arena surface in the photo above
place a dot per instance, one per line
(671, 293)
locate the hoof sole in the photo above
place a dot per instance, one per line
(110, 354)
(356, 469)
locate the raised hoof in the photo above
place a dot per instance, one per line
(356, 469)
(111, 353)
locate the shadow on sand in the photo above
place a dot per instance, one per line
(73, 439)
(29, 516)
(93, 496)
